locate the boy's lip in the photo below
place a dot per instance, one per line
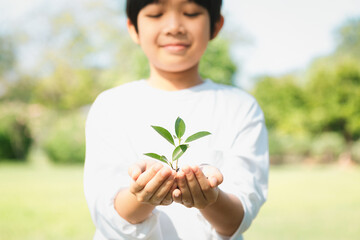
(175, 47)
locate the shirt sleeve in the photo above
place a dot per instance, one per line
(108, 156)
(246, 166)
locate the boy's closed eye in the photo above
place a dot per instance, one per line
(195, 14)
(154, 15)
(188, 9)
(193, 10)
(187, 14)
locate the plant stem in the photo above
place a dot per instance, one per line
(170, 164)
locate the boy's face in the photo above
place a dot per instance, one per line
(173, 34)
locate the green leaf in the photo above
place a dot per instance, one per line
(157, 157)
(179, 127)
(165, 133)
(164, 159)
(197, 136)
(179, 151)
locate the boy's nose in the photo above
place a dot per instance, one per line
(174, 25)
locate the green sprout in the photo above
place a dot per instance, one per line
(180, 147)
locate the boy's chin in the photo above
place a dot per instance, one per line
(177, 68)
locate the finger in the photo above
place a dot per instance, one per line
(195, 189)
(177, 195)
(165, 187)
(186, 197)
(208, 186)
(209, 192)
(135, 170)
(135, 173)
(210, 172)
(145, 177)
(168, 198)
(203, 181)
(148, 163)
(213, 182)
(151, 188)
(219, 177)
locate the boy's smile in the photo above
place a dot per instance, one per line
(176, 47)
(173, 35)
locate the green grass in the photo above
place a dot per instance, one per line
(43, 203)
(304, 203)
(319, 203)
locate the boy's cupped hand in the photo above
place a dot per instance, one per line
(152, 182)
(193, 186)
(197, 187)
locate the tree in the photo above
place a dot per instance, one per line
(333, 95)
(7, 62)
(283, 102)
(334, 85)
(216, 63)
(321, 106)
(81, 52)
(7, 54)
(348, 38)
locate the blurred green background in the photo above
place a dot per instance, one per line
(313, 118)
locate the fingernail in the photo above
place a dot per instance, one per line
(134, 173)
(164, 172)
(157, 167)
(180, 175)
(214, 181)
(177, 194)
(195, 169)
(186, 169)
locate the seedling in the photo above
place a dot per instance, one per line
(177, 141)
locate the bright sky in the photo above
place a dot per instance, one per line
(285, 35)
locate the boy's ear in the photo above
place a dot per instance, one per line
(218, 26)
(132, 31)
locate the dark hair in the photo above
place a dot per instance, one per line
(133, 8)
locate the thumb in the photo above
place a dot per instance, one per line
(176, 195)
(213, 182)
(134, 172)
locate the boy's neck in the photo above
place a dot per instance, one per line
(172, 81)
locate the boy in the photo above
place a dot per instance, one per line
(223, 180)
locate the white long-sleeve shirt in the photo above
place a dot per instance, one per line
(118, 133)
